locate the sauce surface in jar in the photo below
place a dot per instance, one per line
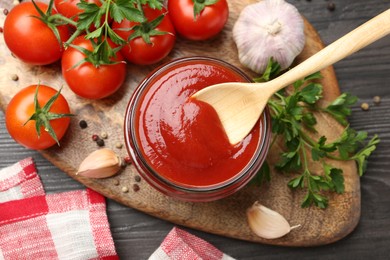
(182, 139)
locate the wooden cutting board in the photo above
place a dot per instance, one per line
(223, 217)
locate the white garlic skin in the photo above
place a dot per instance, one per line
(270, 28)
(99, 164)
(267, 223)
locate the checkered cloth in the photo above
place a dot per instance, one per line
(68, 225)
(181, 245)
(20, 181)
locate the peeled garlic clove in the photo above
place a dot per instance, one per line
(269, 28)
(267, 223)
(101, 163)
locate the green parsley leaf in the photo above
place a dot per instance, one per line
(340, 107)
(125, 9)
(271, 71)
(361, 156)
(154, 4)
(311, 93)
(91, 15)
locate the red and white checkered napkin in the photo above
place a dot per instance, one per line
(20, 181)
(181, 245)
(68, 225)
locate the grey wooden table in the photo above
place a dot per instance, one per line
(365, 74)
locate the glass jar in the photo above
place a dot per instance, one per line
(178, 145)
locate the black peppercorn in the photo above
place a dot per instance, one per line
(83, 124)
(331, 6)
(136, 187)
(100, 142)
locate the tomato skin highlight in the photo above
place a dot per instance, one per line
(31, 40)
(89, 81)
(20, 109)
(207, 24)
(139, 52)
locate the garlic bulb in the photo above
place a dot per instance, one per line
(101, 163)
(267, 223)
(270, 28)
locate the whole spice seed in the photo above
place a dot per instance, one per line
(127, 159)
(115, 182)
(125, 189)
(14, 77)
(5, 11)
(1, 29)
(136, 187)
(137, 178)
(83, 124)
(377, 100)
(100, 142)
(104, 135)
(118, 145)
(95, 137)
(365, 106)
(331, 6)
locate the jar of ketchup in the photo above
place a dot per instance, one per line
(178, 144)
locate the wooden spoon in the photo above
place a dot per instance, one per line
(239, 105)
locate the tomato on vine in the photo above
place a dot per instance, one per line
(198, 19)
(88, 73)
(37, 117)
(34, 26)
(150, 41)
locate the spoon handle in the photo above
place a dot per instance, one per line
(357, 39)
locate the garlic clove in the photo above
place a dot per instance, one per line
(101, 163)
(269, 28)
(267, 223)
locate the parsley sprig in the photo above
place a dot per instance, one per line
(293, 119)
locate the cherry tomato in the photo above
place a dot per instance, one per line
(30, 39)
(140, 52)
(21, 108)
(88, 80)
(208, 23)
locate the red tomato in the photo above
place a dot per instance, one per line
(137, 50)
(88, 80)
(21, 108)
(29, 38)
(69, 8)
(207, 24)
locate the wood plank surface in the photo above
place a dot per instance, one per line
(367, 68)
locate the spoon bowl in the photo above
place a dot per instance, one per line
(239, 105)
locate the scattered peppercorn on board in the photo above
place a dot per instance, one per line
(225, 217)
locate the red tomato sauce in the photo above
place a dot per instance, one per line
(181, 138)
